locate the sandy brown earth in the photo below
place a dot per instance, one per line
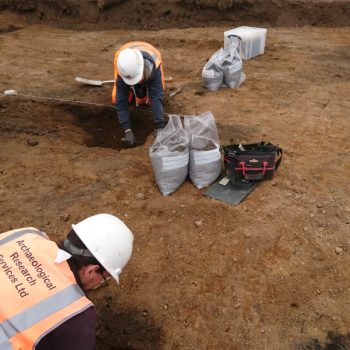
(271, 273)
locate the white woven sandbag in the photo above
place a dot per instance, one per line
(232, 64)
(170, 156)
(212, 73)
(205, 163)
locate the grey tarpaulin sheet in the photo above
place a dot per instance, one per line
(224, 190)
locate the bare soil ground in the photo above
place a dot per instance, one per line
(262, 275)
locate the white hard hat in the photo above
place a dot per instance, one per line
(130, 66)
(108, 239)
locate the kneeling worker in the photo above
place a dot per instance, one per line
(43, 303)
(139, 77)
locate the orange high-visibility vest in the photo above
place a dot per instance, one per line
(37, 294)
(142, 46)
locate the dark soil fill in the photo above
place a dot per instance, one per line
(108, 14)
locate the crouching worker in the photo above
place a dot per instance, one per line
(139, 79)
(43, 284)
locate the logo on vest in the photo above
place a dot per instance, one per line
(23, 270)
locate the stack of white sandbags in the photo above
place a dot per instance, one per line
(193, 149)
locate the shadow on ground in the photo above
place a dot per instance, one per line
(128, 330)
(334, 341)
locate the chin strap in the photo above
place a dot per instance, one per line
(71, 248)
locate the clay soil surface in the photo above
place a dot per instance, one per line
(271, 273)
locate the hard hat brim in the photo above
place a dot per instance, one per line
(134, 81)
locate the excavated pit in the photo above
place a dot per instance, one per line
(95, 126)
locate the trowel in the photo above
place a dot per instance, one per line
(93, 82)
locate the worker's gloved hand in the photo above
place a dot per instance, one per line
(129, 138)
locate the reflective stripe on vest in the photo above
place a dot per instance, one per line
(42, 294)
(38, 312)
(6, 346)
(20, 233)
(142, 46)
